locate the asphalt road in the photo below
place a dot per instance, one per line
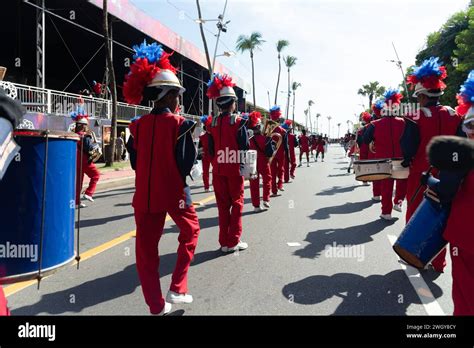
(321, 249)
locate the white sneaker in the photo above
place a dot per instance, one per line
(300, 165)
(89, 198)
(322, 160)
(225, 249)
(257, 209)
(166, 309)
(377, 198)
(266, 204)
(398, 207)
(387, 217)
(281, 189)
(291, 176)
(240, 246)
(174, 297)
(81, 205)
(275, 195)
(307, 165)
(366, 183)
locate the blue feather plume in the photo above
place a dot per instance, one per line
(429, 67)
(152, 52)
(467, 89)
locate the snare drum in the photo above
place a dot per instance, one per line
(31, 243)
(249, 167)
(422, 238)
(372, 170)
(398, 171)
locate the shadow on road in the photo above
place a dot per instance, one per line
(123, 204)
(338, 175)
(346, 208)
(338, 189)
(102, 221)
(116, 192)
(104, 289)
(389, 294)
(353, 235)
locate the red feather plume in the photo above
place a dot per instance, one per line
(462, 107)
(141, 74)
(254, 118)
(164, 62)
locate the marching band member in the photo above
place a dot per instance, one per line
(84, 163)
(204, 146)
(165, 154)
(433, 119)
(228, 139)
(303, 142)
(265, 148)
(372, 153)
(278, 162)
(458, 230)
(10, 115)
(314, 145)
(386, 133)
(455, 187)
(363, 148)
(352, 151)
(289, 169)
(320, 148)
(292, 144)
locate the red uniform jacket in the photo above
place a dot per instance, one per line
(320, 146)
(432, 121)
(159, 181)
(204, 141)
(259, 143)
(280, 155)
(229, 135)
(304, 143)
(386, 133)
(459, 230)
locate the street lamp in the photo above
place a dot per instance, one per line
(329, 126)
(226, 54)
(317, 122)
(338, 130)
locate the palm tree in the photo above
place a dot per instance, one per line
(338, 129)
(290, 62)
(250, 43)
(317, 122)
(294, 87)
(372, 90)
(306, 118)
(281, 44)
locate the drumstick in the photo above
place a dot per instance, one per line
(419, 187)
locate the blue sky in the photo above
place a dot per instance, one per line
(340, 44)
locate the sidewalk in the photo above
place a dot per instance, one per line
(121, 175)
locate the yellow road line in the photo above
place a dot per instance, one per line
(14, 288)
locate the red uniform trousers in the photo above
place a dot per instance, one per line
(3, 304)
(91, 171)
(149, 231)
(387, 193)
(206, 164)
(413, 181)
(292, 162)
(277, 168)
(229, 191)
(463, 280)
(263, 169)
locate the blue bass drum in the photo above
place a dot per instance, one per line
(422, 238)
(37, 205)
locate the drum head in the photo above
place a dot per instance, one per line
(372, 161)
(408, 257)
(42, 133)
(373, 177)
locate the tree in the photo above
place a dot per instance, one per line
(113, 88)
(447, 44)
(372, 90)
(306, 118)
(250, 43)
(281, 44)
(290, 62)
(294, 87)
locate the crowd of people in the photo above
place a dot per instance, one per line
(163, 154)
(385, 134)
